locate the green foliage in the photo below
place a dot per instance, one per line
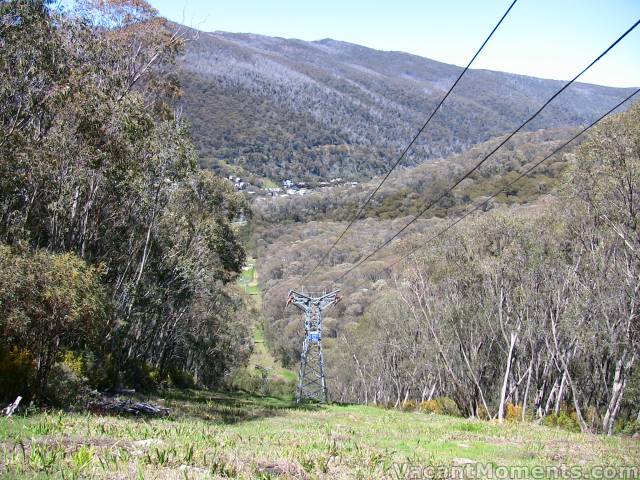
(258, 384)
(181, 379)
(76, 362)
(17, 372)
(112, 242)
(64, 387)
(49, 302)
(565, 420)
(627, 427)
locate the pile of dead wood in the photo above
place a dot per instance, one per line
(116, 406)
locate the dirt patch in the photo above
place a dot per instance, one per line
(282, 468)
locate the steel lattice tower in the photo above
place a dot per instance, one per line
(311, 381)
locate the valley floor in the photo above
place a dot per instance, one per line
(212, 435)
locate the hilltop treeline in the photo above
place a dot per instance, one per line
(526, 312)
(286, 108)
(116, 250)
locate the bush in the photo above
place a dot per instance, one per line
(48, 302)
(627, 427)
(513, 413)
(430, 406)
(247, 382)
(565, 420)
(75, 362)
(65, 387)
(181, 379)
(252, 383)
(279, 387)
(17, 372)
(440, 406)
(139, 375)
(410, 405)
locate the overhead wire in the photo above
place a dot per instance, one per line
(509, 184)
(408, 147)
(489, 155)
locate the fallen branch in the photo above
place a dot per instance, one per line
(8, 411)
(115, 406)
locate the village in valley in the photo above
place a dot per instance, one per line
(289, 187)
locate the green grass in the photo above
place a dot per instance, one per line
(232, 169)
(268, 183)
(261, 356)
(211, 435)
(249, 278)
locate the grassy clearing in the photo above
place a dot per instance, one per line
(268, 183)
(249, 278)
(212, 435)
(261, 358)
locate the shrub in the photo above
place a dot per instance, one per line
(181, 379)
(140, 375)
(16, 373)
(440, 406)
(482, 413)
(48, 302)
(565, 420)
(627, 427)
(65, 387)
(250, 382)
(513, 413)
(75, 362)
(410, 405)
(430, 406)
(245, 381)
(279, 387)
(449, 407)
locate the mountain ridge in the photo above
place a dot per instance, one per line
(282, 108)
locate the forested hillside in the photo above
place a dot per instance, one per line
(531, 308)
(117, 253)
(407, 190)
(283, 108)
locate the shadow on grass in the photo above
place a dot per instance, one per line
(230, 407)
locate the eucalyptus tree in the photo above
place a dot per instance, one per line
(95, 159)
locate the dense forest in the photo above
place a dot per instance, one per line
(285, 108)
(117, 253)
(530, 310)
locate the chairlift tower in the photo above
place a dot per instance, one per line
(311, 381)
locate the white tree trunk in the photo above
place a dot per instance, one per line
(617, 391)
(505, 382)
(526, 390)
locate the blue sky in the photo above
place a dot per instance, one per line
(543, 38)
